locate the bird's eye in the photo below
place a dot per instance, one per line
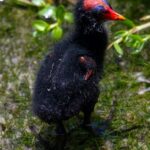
(98, 9)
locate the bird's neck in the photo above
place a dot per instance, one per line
(89, 32)
(93, 39)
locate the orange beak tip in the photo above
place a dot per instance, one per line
(121, 18)
(118, 17)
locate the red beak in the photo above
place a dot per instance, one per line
(112, 15)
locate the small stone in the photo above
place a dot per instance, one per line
(109, 145)
(2, 120)
(18, 134)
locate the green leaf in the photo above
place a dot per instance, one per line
(38, 2)
(118, 49)
(34, 34)
(120, 32)
(47, 12)
(69, 17)
(40, 25)
(126, 38)
(139, 49)
(136, 37)
(129, 23)
(57, 33)
(60, 11)
(136, 44)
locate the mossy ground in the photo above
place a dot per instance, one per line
(20, 55)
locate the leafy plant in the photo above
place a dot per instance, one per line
(131, 38)
(50, 18)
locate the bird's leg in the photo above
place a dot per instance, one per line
(95, 128)
(87, 118)
(60, 129)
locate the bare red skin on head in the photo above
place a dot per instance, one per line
(110, 15)
(89, 4)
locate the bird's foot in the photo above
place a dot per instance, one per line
(97, 129)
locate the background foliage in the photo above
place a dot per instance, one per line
(28, 29)
(53, 17)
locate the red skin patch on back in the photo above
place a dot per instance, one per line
(85, 60)
(88, 74)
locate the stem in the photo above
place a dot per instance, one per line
(140, 28)
(132, 31)
(52, 26)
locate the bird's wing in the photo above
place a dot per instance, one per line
(66, 74)
(89, 64)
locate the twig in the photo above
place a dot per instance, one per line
(121, 131)
(145, 18)
(140, 28)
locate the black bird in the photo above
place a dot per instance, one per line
(67, 81)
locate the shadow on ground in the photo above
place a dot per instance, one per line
(79, 138)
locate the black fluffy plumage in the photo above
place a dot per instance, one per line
(61, 91)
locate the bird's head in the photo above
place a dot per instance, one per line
(91, 14)
(101, 9)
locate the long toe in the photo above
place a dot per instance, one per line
(97, 129)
